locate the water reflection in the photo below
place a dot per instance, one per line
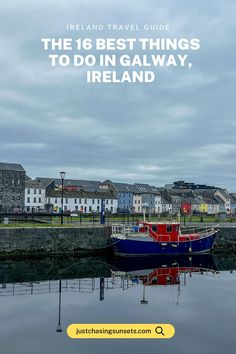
(119, 273)
(60, 291)
(59, 328)
(162, 271)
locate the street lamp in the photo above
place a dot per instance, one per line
(62, 174)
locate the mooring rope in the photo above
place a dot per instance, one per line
(90, 249)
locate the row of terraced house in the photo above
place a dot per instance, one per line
(18, 192)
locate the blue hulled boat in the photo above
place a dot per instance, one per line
(159, 239)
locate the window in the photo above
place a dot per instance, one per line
(39, 200)
(168, 228)
(106, 201)
(111, 209)
(98, 208)
(28, 200)
(66, 200)
(154, 228)
(79, 201)
(48, 200)
(112, 202)
(28, 191)
(85, 201)
(34, 191)
(93, 201)
(65, 208)
(90, 208)
(76, 208)
(55, 200)
(75, 201)
(40, 191)
(34, 199)
(98, 201)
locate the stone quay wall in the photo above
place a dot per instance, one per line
(55, 240)
(82, 240)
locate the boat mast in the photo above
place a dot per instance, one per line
(144, 205)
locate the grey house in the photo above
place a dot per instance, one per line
(148, 195)
(124, 193)
(12, 187)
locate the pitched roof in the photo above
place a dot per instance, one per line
(80, 194)
(77, 182)
(232, 198)
(210, 201)
(223, 192)
(204, 191)
(68, 182)
(30, 183)
(181, 192)
(145, 188)
(6, 166)
(219, 200)
(45, 181)
(91, 186)
(125, 187)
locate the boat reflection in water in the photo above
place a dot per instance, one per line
(124, 272)
(162, 270)
(115, 274)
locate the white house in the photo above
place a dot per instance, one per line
(137, 203)
(224, 195)
(158, 204)
(212, 205)
(34, 196)
(82, 201)
(166, 206)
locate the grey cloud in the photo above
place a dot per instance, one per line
(182, 126)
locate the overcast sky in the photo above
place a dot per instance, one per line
(180, 127)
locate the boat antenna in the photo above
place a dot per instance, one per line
(144, 211)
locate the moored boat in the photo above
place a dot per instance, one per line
(160, 238)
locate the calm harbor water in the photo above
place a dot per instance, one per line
(197, 295)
